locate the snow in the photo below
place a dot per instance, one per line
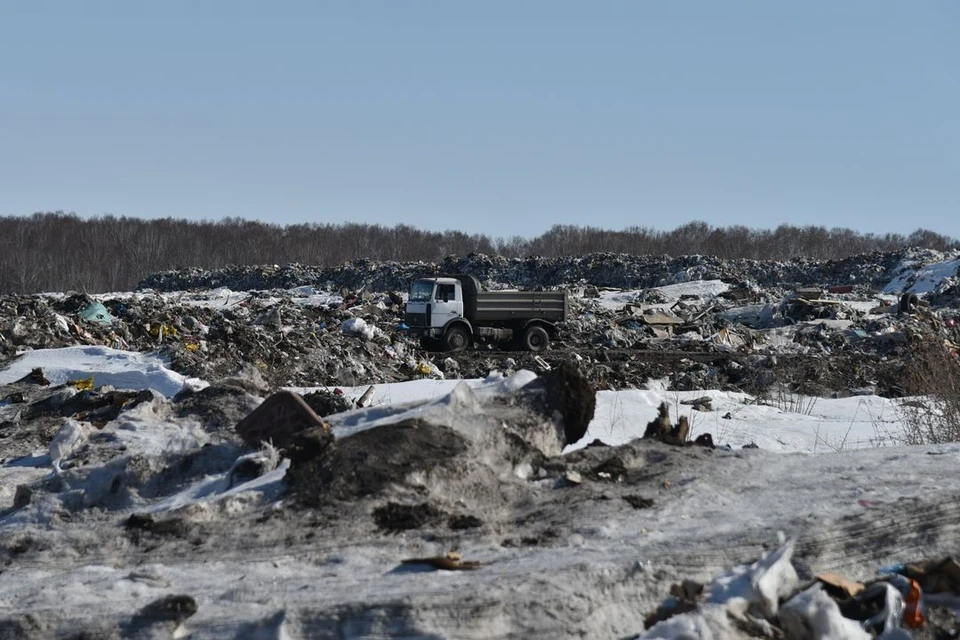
(70, 436)
(704, 289)
(219, 487)
(812, 613)
(789, 423)
(224, 297)
(758, 588)
(761, 585)
(113, 367)
(922, 278)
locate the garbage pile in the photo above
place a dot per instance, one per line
(769, 600)
(828, 340)
(599, 269)
(291, 337)
(824, 328)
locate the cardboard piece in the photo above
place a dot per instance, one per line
(836, 584)
(278, 419)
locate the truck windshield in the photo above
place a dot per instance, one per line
(421, 291)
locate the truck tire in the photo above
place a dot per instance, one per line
(456, 339)
(535, 339)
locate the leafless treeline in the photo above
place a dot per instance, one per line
(59, 252)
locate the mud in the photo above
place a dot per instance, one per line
(366, 463)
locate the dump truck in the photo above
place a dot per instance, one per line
(453, 313)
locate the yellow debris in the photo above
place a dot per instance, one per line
(161, 330)
(83, 384)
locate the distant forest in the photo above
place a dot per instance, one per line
(60, 251)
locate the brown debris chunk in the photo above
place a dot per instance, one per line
(936, 576)
(572, 394)
(278, 419)
(662, 429)
(679, 433)
(450, 562)
(838, 586)
(659, 427)
(36, 376)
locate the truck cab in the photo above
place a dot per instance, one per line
(432, 305)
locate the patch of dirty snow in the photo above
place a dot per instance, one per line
(107, 366)
(922, 279)
(703, 289)
(790, 422)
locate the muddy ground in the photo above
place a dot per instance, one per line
(457, 518)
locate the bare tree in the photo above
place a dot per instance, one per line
(57, 251)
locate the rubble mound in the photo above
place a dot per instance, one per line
(697, 321)
(570, 393)
(262, 506)
(600, 269)
(370, 461)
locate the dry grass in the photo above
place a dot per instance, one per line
(783, 397)
(931, 415)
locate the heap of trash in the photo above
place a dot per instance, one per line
(768, 599)
(837, 327)
(235, 489)
(601, 269)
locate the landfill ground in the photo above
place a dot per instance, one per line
(822, 328)
(460, 517)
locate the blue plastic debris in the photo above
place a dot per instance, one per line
(892, 568)
(96, 312)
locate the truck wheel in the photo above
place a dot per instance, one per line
(456, 339)
(535, 339)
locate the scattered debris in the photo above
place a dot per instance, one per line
(900, 599)
(449, 562)
(660, 428)
(478, 470)
(304, 326)
(365, 398)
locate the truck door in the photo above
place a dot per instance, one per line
(446, 304)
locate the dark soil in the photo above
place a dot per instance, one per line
(365, 463)
(393, 517)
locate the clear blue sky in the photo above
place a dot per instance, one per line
(501, 117)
